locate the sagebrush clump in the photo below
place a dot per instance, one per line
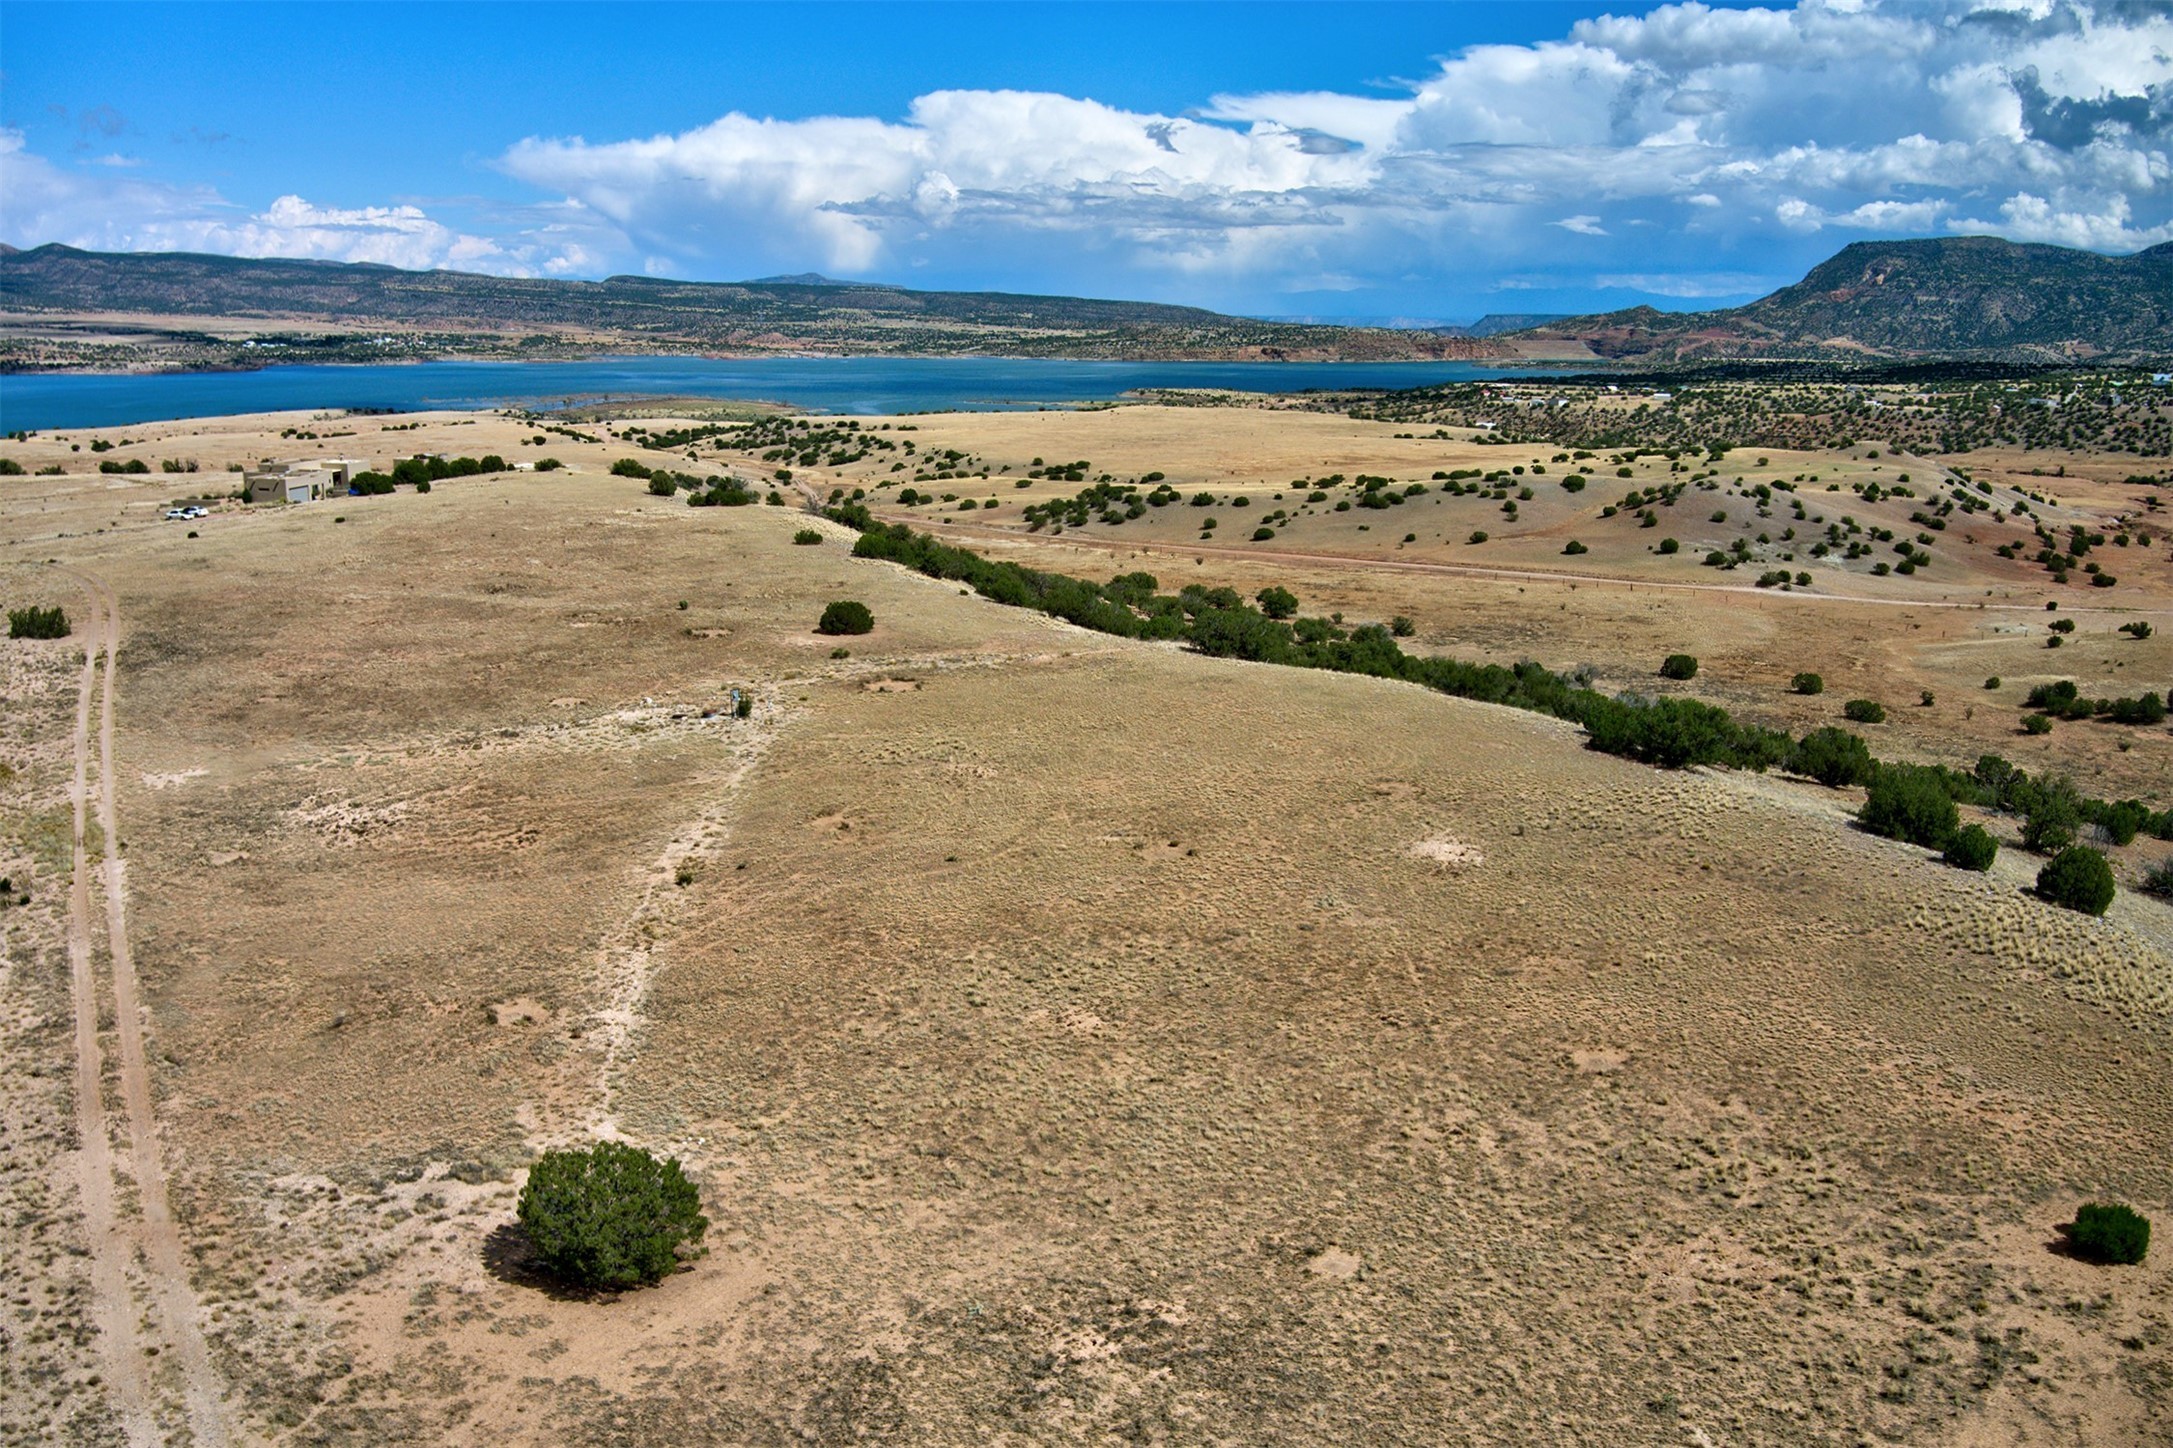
(1910, 802)
(1833, 757)
(610, 1217)
(2049, 821)
(845, 617)
(1972, 848)
(2078, 878)
(37, 623)
(2110, 1232)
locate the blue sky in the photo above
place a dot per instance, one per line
(1384, 161)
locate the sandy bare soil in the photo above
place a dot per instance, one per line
(1073, 1039)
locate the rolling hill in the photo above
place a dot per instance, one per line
(1973, 298)
(802, 313)
(1960, 297)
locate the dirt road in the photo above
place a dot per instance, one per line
(149, 1236)
(112, 1309)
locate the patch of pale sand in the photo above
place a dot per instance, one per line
(170, 779)
(520, 1011)
(1336, 1263)
(346, 821)
(2094, 1394)
(1599, 1060)
(1446, 850)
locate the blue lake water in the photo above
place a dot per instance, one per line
(820, 384)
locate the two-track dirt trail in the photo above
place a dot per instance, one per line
(148, 1237)
(112, 1309)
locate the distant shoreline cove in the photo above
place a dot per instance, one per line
(862, 385)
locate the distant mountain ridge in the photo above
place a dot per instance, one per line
(795, 313)
(1977, 299)
(1495, 324)
(1960, 297)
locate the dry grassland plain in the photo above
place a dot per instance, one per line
(1074, 1039)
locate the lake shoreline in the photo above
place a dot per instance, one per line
(1508, 362)
(884, 385)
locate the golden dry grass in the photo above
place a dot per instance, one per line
(1074, 1040)
(1621, 608)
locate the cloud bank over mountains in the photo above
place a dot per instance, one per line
(41, 202)
(1678, 154)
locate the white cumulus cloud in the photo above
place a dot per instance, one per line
(1686, 125)
(42, 202)
(1698, 142)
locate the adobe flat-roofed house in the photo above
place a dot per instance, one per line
(301, 482)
